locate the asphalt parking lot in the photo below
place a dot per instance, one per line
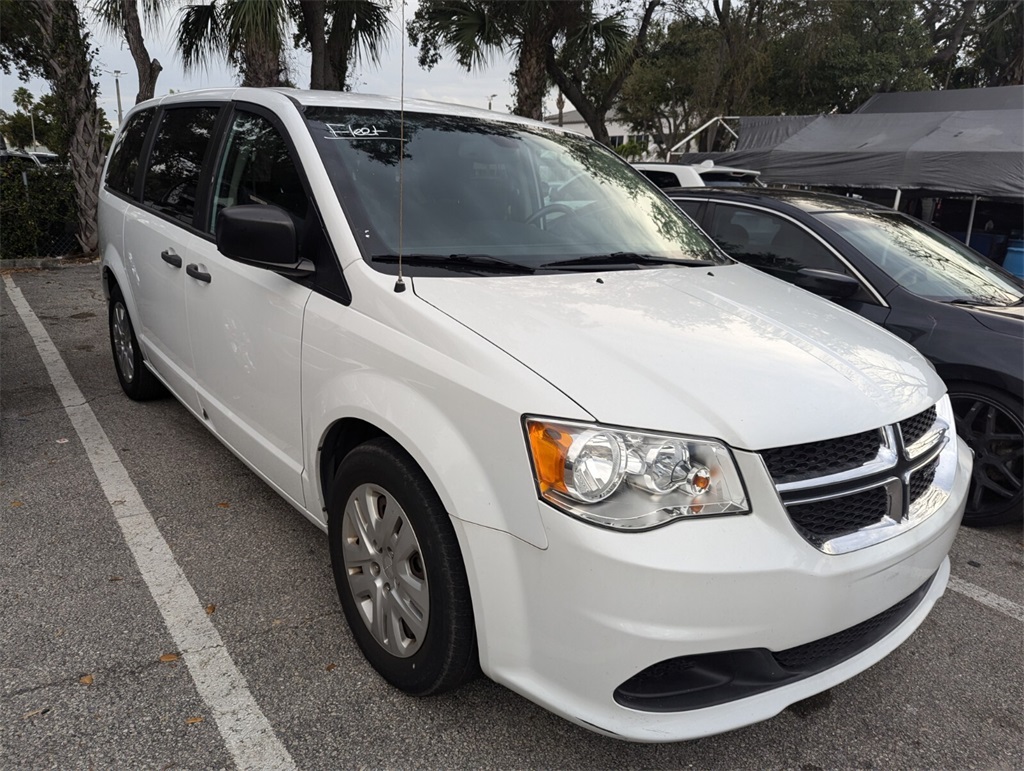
(94, 674)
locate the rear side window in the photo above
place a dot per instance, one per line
(124, 160)
(176, 162)
(257, 168)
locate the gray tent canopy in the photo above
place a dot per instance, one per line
(956, 100)
(920, 140)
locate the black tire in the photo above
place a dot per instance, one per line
(404, 592)
(136, 379)
(991, 423)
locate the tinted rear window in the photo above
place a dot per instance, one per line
(124, 160)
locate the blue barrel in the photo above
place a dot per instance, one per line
(1014, 261)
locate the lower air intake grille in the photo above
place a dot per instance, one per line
(836, 647)
(708, 679)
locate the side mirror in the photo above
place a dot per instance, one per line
(834, 286)
(262, 236)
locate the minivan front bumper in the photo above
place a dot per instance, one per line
(569, 625)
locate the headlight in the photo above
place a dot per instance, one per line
(632, 480)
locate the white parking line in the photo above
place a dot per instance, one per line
(985, 597)
(245, 729)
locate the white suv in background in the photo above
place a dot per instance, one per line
(697, 174)
(655, 491)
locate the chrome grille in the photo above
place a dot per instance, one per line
(846, 493)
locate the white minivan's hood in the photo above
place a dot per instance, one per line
(725, 352)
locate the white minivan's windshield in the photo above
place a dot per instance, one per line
(486, 197)
(925, 261)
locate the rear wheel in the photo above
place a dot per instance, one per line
(990, 422)
(399, 571)
(137, 381)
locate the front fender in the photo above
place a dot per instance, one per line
(451, 399)
(494, 491)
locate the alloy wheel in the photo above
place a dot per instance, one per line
(997, 438)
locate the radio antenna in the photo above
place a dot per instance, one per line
(400, 283)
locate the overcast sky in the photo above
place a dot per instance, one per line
(446, 82)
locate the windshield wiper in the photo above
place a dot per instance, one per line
(970, 303)
(468, 261)
(625, 258)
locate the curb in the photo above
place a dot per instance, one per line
(46, 263)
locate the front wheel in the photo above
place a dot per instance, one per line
(990, 422)
(399, 571)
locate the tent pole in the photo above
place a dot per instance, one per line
(896, 203)
(970, 222)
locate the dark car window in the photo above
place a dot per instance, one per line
(692, 208)
(256, 167)
(769, 242)
(124, 158)
(176, 162)
(17, 163)
(661, 178)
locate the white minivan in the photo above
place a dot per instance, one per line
(560, 438)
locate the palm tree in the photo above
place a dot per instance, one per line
(123, 16)
(593, 61)
(475, 29)
(340, 32)
(250, 32)
(66, 60)
(546, 36)
(24, 101)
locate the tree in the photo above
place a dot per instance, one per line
(476, 29)
(36, 122)
(594, 59)
(996, 48)
(339, 33)
(832, 55)
(16, 128)
(24, 101)
(586, 54)
(663, 91)
(19, 40)
(751, 57)
(48, 38)
(123, 16)
(976, 43)
(250, 33)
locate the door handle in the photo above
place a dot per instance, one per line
(170, 257)
(199, 275)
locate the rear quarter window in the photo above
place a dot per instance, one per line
(124, 158)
